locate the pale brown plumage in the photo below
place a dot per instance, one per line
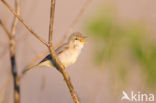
(67, 53)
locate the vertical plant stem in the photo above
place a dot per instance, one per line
(59, 65)
(12, 52)
(13, 63)
(12, 55)
(50, 46)
(51, 24)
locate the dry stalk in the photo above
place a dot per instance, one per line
(49, 44)
(76, 20)
(59, 65)
(13, 63)
(15, 20)
(5, 29)
(4, 86)
(42, 55)
(23, 22)
(12, 52)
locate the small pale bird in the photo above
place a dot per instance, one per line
(67, 53)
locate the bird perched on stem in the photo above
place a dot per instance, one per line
(67, 53)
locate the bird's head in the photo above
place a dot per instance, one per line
(76, 40)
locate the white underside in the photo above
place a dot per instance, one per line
(67, 58)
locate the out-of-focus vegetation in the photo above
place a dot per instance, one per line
(122, 46)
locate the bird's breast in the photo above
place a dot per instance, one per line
(68, 57)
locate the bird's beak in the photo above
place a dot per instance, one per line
(82, 41)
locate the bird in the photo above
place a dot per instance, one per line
(67, 53)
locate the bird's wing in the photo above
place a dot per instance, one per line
(46, 61)
(58, 51)
(48, 57)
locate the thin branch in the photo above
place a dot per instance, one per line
(23, 22)
(5, 29)
(12, 52)
(51, 49)
(7, 33)
(31, 64)
(59, 65)
(51, 24)
(38, 58)
(13, 64)
(43, 54)
(12, 55)
(76, 20)
(84, 7)
(15, 21)
(4, 86)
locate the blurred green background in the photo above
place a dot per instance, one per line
(122, 46)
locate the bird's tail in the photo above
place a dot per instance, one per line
(26, 70)
(30, 68)
(46, 63)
